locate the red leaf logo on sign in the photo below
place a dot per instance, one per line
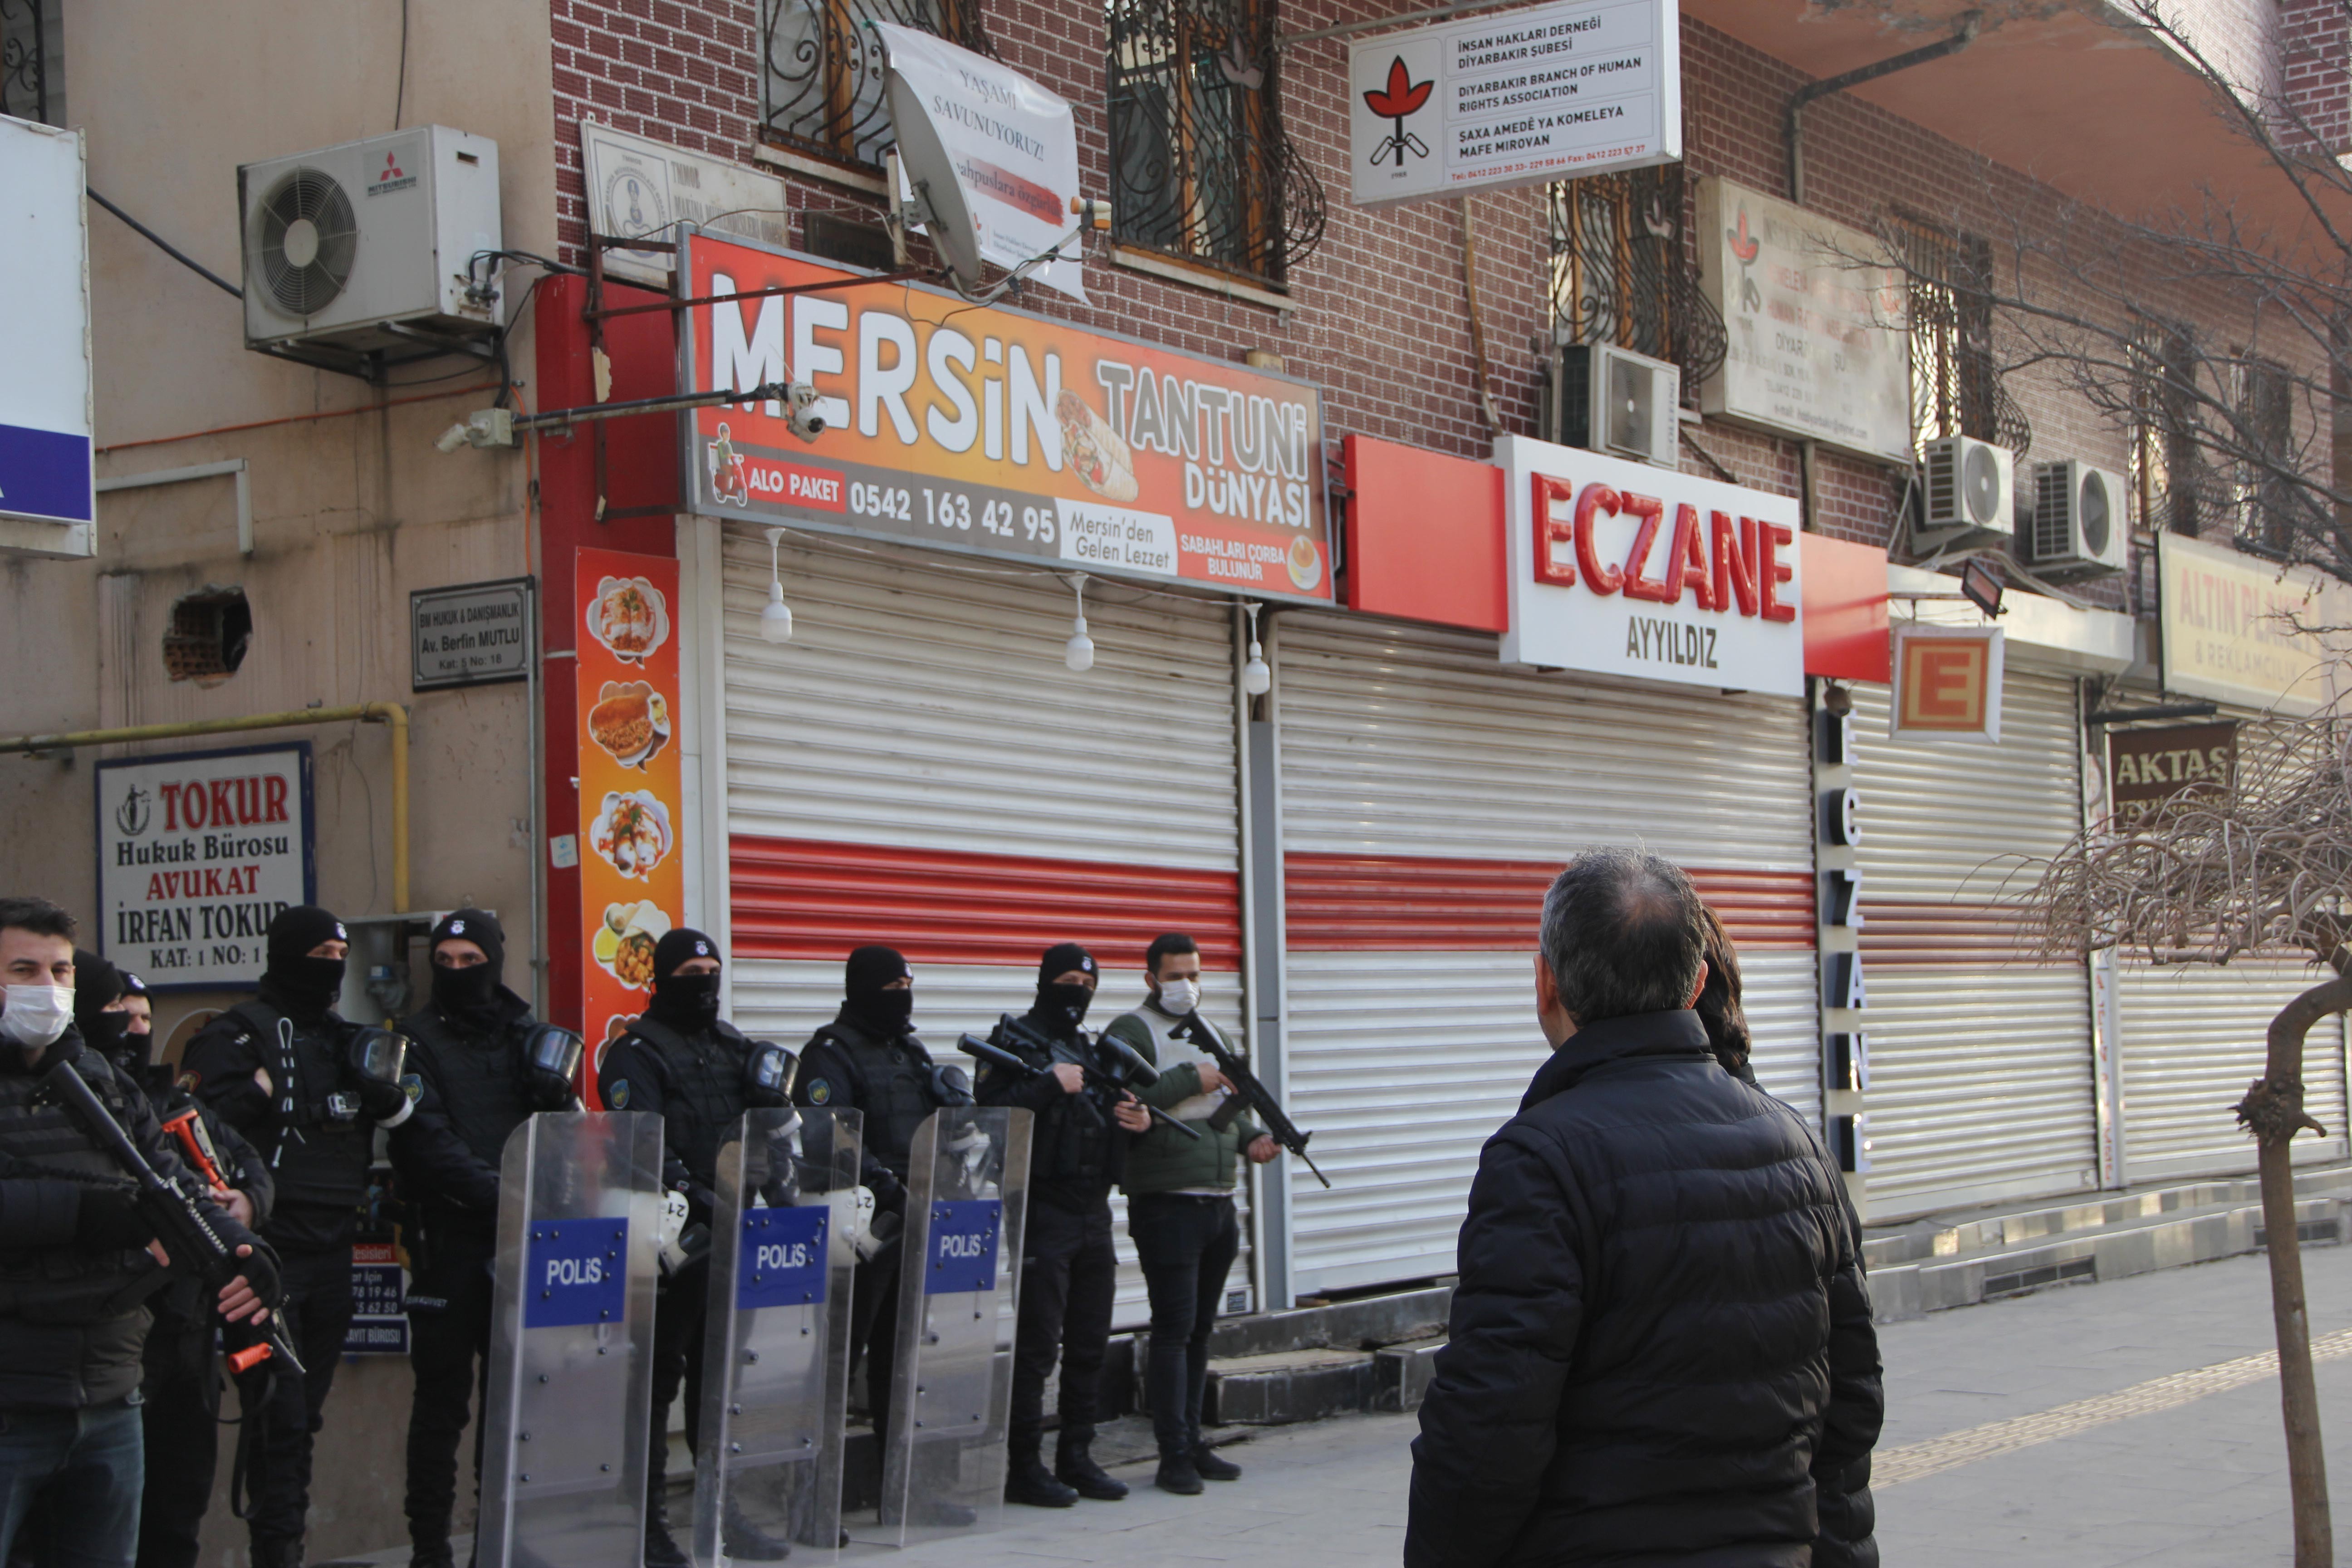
(1397, 102)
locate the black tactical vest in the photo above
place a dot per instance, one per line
(894, 1088)
(1075, 1143)
(479, 1075)
(313, 1157)
(65, 1284)
(705, 1095)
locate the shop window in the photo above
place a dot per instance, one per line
(1201, 168)
(2163, 364)
(1955, 387)
(1622, 273)
(822, 70)
(2262, 488)
(210, 632)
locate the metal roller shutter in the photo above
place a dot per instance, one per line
(1428, 797)
(2193, 1037)
(917, 767)
(1981, 1078)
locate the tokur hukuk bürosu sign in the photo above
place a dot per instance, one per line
(997, 432)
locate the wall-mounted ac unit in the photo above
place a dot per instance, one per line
(1970, 490)
(2082, 518)
(363, 254)
(1616, 401)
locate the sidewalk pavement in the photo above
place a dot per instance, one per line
(2129, 1463)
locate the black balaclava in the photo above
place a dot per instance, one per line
(865, 1003)
(1064, 1007)
(299, 985)
(687, 1002)
(470, 995)
(98, 984)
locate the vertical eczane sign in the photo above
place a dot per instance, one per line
(195, 852)
(47, 494)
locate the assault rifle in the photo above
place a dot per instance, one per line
(179, 1220)
(1122, 1068)
(1248, 1094)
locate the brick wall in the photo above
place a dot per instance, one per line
(2315, 42)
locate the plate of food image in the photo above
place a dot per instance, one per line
(629, 617)
(624, 942)
(632, 832)
(1099, 453)
(1305, 563)
(630, 720)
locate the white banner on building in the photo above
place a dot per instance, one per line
(1580, 87)
(195, 853)
(1821, 342)
(1625, 569)
(48, 503)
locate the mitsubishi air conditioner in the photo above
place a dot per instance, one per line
(365, 255)
(1616, 401)
(2081, 521)
(1969, 495)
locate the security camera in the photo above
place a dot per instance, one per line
(800, 412)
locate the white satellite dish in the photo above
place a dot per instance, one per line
(931, 172)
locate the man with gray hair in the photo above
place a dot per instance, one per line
(1661, 1350)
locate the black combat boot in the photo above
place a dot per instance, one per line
(428, 1544)
(1026, 1480)
(277, 1551)
(1177, 1474)
(747, 1543)
(1073, 1466)
(661, 1548)
(1210, 1467)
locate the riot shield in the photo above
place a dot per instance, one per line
(572, 1332)
(943, 1457)
(775, 1361)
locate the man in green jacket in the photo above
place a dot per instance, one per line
(1180, 1204)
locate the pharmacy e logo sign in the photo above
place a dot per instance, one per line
(1948, 682)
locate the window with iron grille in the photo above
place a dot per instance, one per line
(2163, 362)
(31, 60)
(1201, 168)
(821, 71)
(2261, 405)
(1955, 386)
(1621, 271)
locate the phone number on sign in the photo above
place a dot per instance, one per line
(952, 510)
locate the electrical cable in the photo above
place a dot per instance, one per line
(400, 92)
(167, 247)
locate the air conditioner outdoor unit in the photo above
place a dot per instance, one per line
(2082, 518)
(1616, 401)
(1969, 494)
(363, 253)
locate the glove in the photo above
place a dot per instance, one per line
(385, 1104)
(261, 1270)
(880, 1236)
(682, 1241)
(109, 1219)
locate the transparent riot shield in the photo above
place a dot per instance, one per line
(943, 1457)
(775, 1360)
(572, 1335)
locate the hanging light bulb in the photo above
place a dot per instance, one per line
(1258, 678)
(776, 619)
(1079, 653)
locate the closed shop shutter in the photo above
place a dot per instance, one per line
(917, 767)
(2193, 1038)
(1429, 795)
(1982, 1080)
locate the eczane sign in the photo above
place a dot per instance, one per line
(1618, 568)
(47, 498)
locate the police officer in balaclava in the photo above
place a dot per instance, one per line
(478, 1066)
(1069, 1269)
(308, 1090)
(683, 1063)
(868, 1060)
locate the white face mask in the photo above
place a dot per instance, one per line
(1179, 997)
(35, 1015)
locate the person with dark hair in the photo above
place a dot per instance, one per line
(1677, 1369)
(868, 1060)
(79, 1263)
(1069, 1267)
(1719, 1010)
(303, 1087)
(682, 1062)
(474, 1079)
(1180, 1203)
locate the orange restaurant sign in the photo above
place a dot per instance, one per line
(997, 432)
(1948, 682)
(632, 866)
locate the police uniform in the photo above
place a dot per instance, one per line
(316, 1127)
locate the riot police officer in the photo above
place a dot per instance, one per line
(868, 1060)
(179, 1415)
(478, 1066)
(1068, 1267)
(309, 1091)
(698, 1073)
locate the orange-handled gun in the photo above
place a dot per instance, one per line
(188, 1129)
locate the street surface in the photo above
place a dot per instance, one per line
(2094, 1426)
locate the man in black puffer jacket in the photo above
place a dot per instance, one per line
(1661, 1350)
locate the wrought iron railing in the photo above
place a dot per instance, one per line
(822, 70)
(1200, 167)
(1956, 386)
(28, 42)
(1622, 274)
